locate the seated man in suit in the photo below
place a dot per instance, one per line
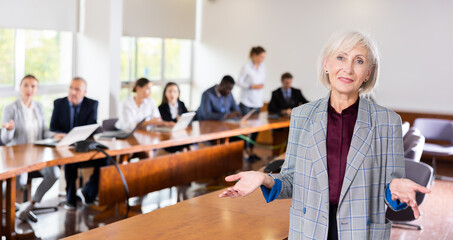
(286, 98)
(217, 103)
(69, 112)
(283, 100)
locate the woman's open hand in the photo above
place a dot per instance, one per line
(247, 183)
(404, 190)
(9, 125)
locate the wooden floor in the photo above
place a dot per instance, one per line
(437, 211)
(437, 215)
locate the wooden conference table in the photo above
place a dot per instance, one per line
(204, 217)
(15, 160)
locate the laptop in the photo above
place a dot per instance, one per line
(76, 134)
(121, 134)
(181, 124)
(242, 119)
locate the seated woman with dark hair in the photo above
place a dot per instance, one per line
(171, 109)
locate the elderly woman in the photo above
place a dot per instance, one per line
(344, 159)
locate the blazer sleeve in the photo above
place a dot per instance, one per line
(183, 108)
(395, 154)
(93, 116)
(297, 122)
(165, 114)
(7, 115)
(300, 97)
(273, 105)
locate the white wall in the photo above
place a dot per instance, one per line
(44, 14)
(414, 38)
(159, 18)
(98, 53)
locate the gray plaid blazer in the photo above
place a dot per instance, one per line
(375, 157)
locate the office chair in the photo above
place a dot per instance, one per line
(414, 143)
(437, 130)
(422, 174)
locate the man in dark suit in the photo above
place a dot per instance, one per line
(286, 98)
(69, 112)
(283, 100)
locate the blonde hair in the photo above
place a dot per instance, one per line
(345, 42)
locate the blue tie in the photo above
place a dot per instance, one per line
(74, 120)
(287, 96)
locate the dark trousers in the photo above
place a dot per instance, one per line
(90, 190)
(333, 231)
(245, 110)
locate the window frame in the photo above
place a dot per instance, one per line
(19, 68)
(163, 80)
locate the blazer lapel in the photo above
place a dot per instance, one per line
(179, 108)
(20, 111)
(83, 113)
(320, 149)
(360, 145)
(66, 111)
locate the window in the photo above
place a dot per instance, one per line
(46, 54)
(160, 60)
(6, 57)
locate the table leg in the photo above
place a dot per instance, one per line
(10, 207)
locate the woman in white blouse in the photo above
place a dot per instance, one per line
(29, 126)
(251, 81)
(139, 107)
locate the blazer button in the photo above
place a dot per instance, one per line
(304, 210)
(368, 222)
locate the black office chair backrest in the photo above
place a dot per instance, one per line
(109, 124)
(422, 174)
(413, 142)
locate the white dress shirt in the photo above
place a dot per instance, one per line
(174, 110)
(251, 76)
(31, 128)
(131, 114)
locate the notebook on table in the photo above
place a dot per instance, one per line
(182, 123)
(76, 134)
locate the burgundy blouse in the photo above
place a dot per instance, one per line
(340, 127)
